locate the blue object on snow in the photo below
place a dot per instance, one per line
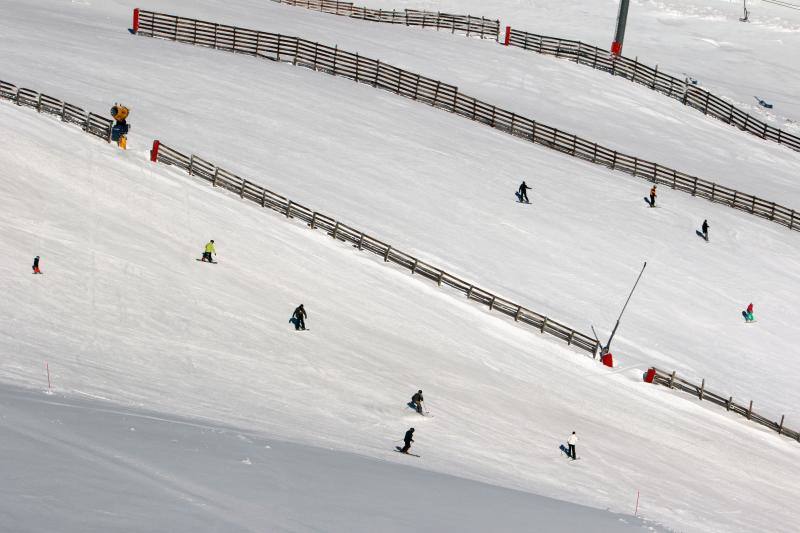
(762, 103)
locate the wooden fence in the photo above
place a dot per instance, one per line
(468, 24)
(672, 381)
(89, 122)
(248, 190)
(631, 69)
(331, 60)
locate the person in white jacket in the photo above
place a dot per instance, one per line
(572, 441)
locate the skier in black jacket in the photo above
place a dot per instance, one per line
(36, 265)
(417, 401)
(299, 315)
(408, 439)
(523, 192)
(705, 229)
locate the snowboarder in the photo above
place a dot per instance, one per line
(522, 192)
(208, 250)
(120, 129)
(748, 314)
(36, 265)
(572, 441)
(653, 196)
(417, 401)
(408, 439)
(705, 230)
(299, 315)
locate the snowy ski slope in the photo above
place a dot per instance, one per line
(154, 331)
(700, 38)
(159, 472)
(125, 315)
(442, 188)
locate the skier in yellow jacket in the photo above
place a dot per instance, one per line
(209, 249)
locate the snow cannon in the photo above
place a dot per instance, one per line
(608, 359)
(119, 112)
(650, 375)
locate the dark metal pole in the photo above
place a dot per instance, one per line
(619, 35)
(608, 345)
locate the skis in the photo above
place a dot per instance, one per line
(212, 262)
(398, 449)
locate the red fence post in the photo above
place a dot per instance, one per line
(651, 373)
(508, 36)
(154, 151)
(616, 48)
(135, 20)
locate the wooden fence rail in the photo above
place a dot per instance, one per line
(467, 24)
(89, 122)
(630, 69)
(582, 53)
(672, 381)
(331, 60)
(255, 193)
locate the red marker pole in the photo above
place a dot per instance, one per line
(154, 151)
(136, 20)
(508, 36)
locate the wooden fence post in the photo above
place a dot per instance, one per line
(191, 165)
(216, 174)
(361, 240)
(791, 220)
(314, 220)
(491, 302)
(780, 426)
(264, 198)
(241, 192)
(414, 266)
(728, 404)
(672, 378)
(439, 279)
(702, 389)
(386, 255)
(655, 77)
(288, 209)
(544, 324)
(516, 315)
(335, 229)
(469, 292)
(750, 410)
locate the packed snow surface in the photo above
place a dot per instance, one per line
(123, 312)
(703, 39)
(142, 470)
